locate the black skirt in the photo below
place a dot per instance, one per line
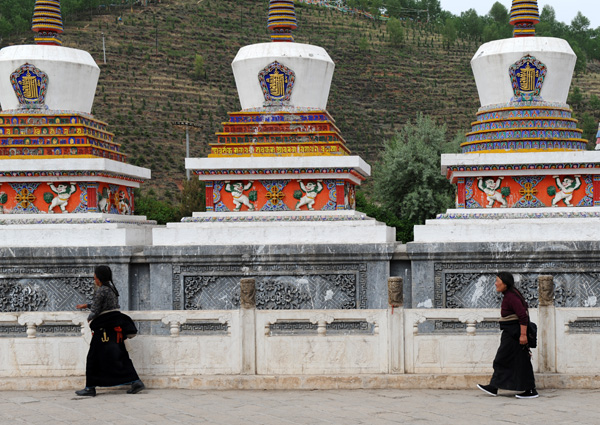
(108, 363)
(512, 365)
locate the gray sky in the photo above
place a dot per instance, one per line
(565, 9)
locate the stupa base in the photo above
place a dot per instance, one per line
(512, 225)
(281, 228)
(74, 230)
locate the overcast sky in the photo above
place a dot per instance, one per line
(565, 9)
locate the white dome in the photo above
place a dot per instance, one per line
(492, 61)
(72, 76)
(312, 66)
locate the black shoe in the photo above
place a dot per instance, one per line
(528, 394)
(87, 392)
(493, 391)
(136, 387)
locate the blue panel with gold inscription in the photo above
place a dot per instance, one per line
(527, 78)
(277, 82)
(30, 85)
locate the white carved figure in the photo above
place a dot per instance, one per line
(490, 188)
(311, 190)
(237, 190)
(123, 204)
(63, 193)
(567, 187)
(104, 201)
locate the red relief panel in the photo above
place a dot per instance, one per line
(460, 193)
(210, 204)
(508, 192)
(92, 198)
(596, 189)
(247, 195)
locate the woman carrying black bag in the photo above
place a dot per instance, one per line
(512, 365)
(108, 363)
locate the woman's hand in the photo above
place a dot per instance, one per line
(523, 339)
(81, 306)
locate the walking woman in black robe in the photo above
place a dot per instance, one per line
(108, 363)
(512, 365)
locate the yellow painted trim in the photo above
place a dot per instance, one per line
(521, 140)
(521, 151)
(524, 128)
(518, 108)
(523, 119)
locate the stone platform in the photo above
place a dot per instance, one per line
(310, 382)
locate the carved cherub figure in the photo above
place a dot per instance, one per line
(63, 193)
(311, 190)
(490, 188)
(567, 187)
(237, 190)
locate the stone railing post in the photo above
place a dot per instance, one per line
(546, 324)
(248, 325)
(396, 324)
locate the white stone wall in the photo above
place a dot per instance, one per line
(249, 347)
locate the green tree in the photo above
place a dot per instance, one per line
(363, 44)
(449, 32)
(471, 24)
(407, 178)
(589, 127)
(395, 32)
(581, 64)
(575, 97)
(404, 228)
(595, 102)
(199, 70)
(192, 198)
(154, 209)
(499, 13)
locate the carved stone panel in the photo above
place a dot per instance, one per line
(471, 285)
(44, 288)
(278, 287)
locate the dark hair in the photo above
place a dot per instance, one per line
(508, 279)
(104, 275)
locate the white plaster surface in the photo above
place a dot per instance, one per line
(492, 61)
(273, 232)
(75, 164)
(278, 163)
(496, 229)
(520, 158)
(575, 349)
(319, 353)
(125, 231)
(311, 64)
(72, 75)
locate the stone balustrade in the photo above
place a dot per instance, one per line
(300, 342)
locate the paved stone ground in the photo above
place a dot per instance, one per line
(373, 407)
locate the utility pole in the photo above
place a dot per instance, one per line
(104, 48)
(187, 125)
